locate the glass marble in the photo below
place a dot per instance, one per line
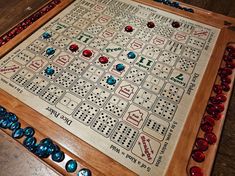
(4, 123)
(2, 111)
(50, 51)
(15, 125)
(41, 150)
(18, 133)
(120, 67)
(71, 166)
(73, 47)
(58, 156)
(111, 80)
(29, 131)
(131, 55)
(46, 35)
(12, 117)
(47, 141)
(29, 141)
(87, 53)
(84, 172)
(49, 71)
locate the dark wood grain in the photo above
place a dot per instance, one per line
(13, 11)
(219, 6)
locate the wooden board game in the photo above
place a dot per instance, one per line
(121, 76)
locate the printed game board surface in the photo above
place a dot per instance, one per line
(136, 120)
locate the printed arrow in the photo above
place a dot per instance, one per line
(141, 149)
(148, 140)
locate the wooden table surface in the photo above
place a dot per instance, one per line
(16, 160)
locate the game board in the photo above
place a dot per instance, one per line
(138, 118)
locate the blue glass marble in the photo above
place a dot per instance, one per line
(29, 142)
(12, 117)
(2, 109)
(84, 172)
(120, 67)
(131, 55)
(41, 150)
(9, 124)
(181, 8)
(191, 10)
(2, 112)
(71, 166)
(33, 148)
(175, 4)
(49, 71)
(15, 125)
(2, 123)
(5, 123)
(51, 149)
(1, 120)
(188, 9)
(58, 156)
(29, 131)
(2, 115)
(46, 35)
(18, 133)
(111, 80)
(167, 2)
(47, 141)
(50, 51)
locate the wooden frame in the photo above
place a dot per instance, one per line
(88, 156)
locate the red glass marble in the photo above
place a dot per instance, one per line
(19, 29)
(208, 119)
(196, 171)
(103, 60)
(210, 109)
(227, 58)
(225, 87)
(129, 28)
(224, 72)
(206, 127)
(175, 24)
(219, 107)
(221, 97)
(151, 24)
(230, 49)
(198, 156)
(87, 53)
(1, 41)
(210, 137)
(73, 47)
(56, 1)
(217, 116)
(201, 144)
(217, 89)
(226, 80)
(231, 54)
(230, 64)
(213, 100)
